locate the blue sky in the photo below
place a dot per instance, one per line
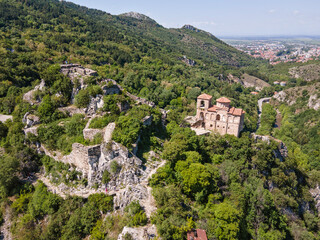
(225, 17)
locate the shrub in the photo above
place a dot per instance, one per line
(105, 177)
(115, 167)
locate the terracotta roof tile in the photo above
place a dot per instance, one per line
(205, 96)
(202, 234)
(223, 100)
(212, 109)
(231, 110)
(238, 112)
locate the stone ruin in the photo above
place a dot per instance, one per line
(76, 70)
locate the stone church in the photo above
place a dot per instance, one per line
(219, 118)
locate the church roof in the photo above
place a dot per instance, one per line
(223, 100)
(205, 96)
(238, 112)
(232, 110)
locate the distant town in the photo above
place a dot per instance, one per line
(279, 50)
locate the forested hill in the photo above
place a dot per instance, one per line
(63, 23)
(162, 65)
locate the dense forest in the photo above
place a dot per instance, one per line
(233, 188)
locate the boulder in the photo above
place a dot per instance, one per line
(30, 120)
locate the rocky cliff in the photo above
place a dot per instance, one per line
(310, 94)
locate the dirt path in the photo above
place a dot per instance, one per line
(149, 203)
(5, 229)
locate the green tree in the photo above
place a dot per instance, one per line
(225, 222)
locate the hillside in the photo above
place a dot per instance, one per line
(308, 72)
(93, 142)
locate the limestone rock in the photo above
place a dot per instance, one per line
(28, 97)
(129, 194)
(314, 102)
(4, 118)
(280, 96)
(147, 121)
(33, 130)
(141, 233)
(187, 61)
(315, 193)
(94, 105)
(30, 120)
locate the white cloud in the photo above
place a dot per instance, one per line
(272, 11)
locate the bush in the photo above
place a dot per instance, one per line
(105, 177)
(82, 99)
(101, 122)
(135, 214)
(115, 167)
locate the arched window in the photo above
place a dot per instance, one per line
(202, 104)
(218, 117)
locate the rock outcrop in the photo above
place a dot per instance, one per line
(4, 118)
(314, 102)
(140, 233)
(188, 61)
(309, 72)
(281, 152)
(309, 94)
(95, 103)
(30, 120)
(315, 193)
(29, 96)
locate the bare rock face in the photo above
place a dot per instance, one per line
(280, 96)
(314, 102)
(4, 118)
(129, 194)
(94, 105)
(30, 120)
(188, 61)
(28, 97)
(315, 193)
(140, 233)
(110, 87)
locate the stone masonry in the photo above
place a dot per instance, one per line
(220, 118)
